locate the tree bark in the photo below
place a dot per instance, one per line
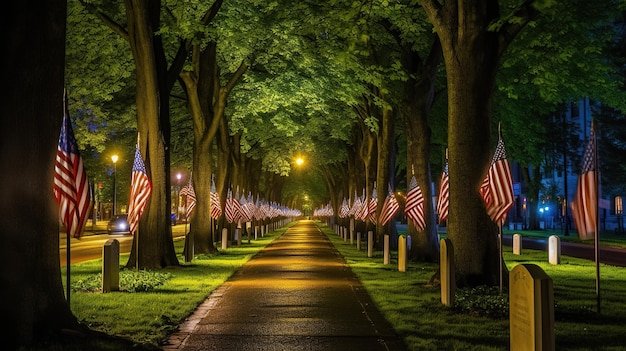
(153, 246)
(200, 88)
(32, 60)
(384, 140)
(471, 55)
(419, 92)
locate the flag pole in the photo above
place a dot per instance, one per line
(500, 223)
(137, 249)
(597, 224)
(137, 231)
(500, 259)
(67, 231)
(67, 268)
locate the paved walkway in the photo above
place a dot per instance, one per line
(296, 294)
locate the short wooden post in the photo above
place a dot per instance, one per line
(224, 238)
(111, 266)
(386, 249)
(517, 244)
(402, 253)
(446, 268)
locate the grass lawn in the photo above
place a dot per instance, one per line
(152, 304)
(479, 318)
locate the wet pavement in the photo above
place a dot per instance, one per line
(296, 294)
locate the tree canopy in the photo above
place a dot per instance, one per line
(317, 74)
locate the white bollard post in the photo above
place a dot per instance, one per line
(554, 249)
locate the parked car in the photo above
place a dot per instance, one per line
(118, 224)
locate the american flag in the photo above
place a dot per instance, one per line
(390, 208)
(371, 210)
(247, 211)
(216, 207)
(140, 190)
(363, 213)
(497, 187)
(585, 204)
(233, 208)
(356, 206)
(259, 209)
(344, 210)
(71, 187)
(443, 201)
(414, 208)
(190, 200)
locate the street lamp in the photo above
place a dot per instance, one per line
(114, 159)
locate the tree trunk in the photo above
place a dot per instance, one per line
(34, 305)
(154, 236)
(472, 47)
(385, 138)
(473, 234)
(470, 55)
(533, 182)
(418, 98)
(200, 86)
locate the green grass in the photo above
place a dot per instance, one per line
(479, 319)
(151, 304)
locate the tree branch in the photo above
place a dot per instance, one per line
(432, 8)
(108, 21)
(243, 67)
(522, 15)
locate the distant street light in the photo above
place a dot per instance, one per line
(114, 158)
(299, 161)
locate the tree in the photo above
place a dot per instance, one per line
(206, 101)
(562, 58)
(152, 246)
(473, 38)
(419, 56)
(154, 81)
(33, 59)
(32, 230)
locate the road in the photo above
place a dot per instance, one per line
(89, 246)
(608, 255)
